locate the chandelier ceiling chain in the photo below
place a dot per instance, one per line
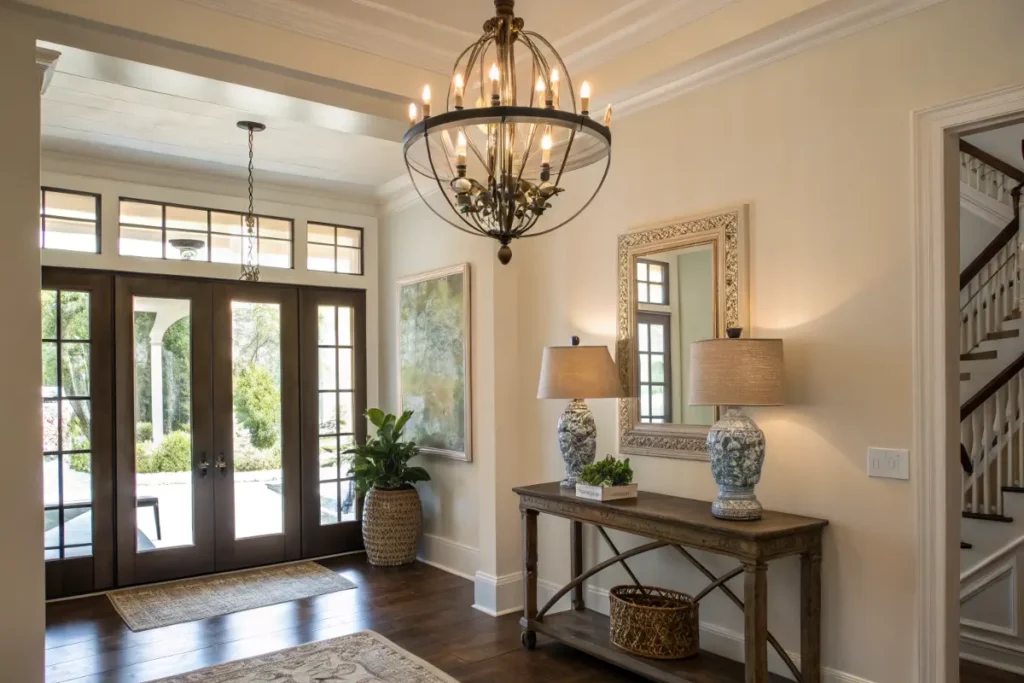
(251, 267)
(495, 168)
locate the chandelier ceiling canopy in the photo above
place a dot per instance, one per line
(493, 162)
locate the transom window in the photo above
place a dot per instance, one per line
(335, 369)
(651, 282)
(177, 233)
(69, 220)
(334, 248)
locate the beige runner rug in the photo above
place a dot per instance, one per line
(358, 658)
(146, 607)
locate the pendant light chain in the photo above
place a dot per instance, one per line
(251, 268)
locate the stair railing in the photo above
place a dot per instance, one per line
(991, 292)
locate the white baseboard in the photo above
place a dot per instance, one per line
(713, 638)
(498, 595)
(448, 555)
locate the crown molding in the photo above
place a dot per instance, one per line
(827, 22)
(46, 62)
(397, 195)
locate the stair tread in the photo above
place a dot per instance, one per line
(1013, 489)
(1014, 316)
(979, 355)
(964, 545)
(988, 517)
(1003, 334)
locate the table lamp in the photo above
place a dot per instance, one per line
(577, 372)
(736, 372)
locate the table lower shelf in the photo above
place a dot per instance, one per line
(587, 631)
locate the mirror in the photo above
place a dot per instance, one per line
(678, 283)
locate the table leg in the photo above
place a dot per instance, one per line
(755, 621)
(810, 617)
(529, 637)
(576, 544)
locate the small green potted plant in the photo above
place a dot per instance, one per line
(607, 479)
(392, 515)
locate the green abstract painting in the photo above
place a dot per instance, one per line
(433, 343)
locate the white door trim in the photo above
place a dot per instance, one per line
(935, 206)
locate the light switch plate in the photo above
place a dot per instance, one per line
(890, 463)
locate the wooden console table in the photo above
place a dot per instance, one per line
(679, 523)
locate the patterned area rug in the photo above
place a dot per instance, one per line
(364, 657)
(149, 607)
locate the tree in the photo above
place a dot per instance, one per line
(257, 404)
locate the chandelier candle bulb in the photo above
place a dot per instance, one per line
(426, 101)
(545, 159)
(554, 88)
(460, 86)
(460, 152)
(608, 116)
(413, 113)
(585, 99)
(495, 85)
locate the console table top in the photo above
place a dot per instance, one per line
(676, 510)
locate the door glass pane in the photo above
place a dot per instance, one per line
(163, 422)
(256, 392)
(67, 425)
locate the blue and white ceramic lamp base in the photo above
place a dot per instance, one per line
(577, 440)
(736, 447)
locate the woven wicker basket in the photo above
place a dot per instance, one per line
(392, 522)
(654, 622)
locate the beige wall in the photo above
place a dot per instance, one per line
(819, 145)
(21, 484)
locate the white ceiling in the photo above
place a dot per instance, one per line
(1003, 143)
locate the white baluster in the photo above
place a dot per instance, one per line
(977, 434)
(1002, 424)
(987, 439)
(1019, 418)
(966, 439)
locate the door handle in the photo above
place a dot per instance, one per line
(221, 464)
(204, 465)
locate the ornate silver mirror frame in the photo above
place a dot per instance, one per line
(726, 232)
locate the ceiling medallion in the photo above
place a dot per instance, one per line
(250, 264)
(494, 168)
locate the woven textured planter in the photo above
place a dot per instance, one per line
(392, 522)
(654, 622)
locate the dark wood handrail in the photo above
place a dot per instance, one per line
(989, 252)
(993, 161)
(994, 385)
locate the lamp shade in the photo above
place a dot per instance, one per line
(736, 372)
(577, 372)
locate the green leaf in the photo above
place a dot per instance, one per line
(400, 425)
(413, 474)
(375, 416)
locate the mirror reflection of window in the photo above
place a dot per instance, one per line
(652, 282)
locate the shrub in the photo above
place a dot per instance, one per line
(81, 462)
(173, 454)
(250, 460)
(258, 404)
(607, 472)
(143, 431)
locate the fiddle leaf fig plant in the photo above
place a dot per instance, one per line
(383, 461)
(607, 472)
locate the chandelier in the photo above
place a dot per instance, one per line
(250, 262)
(494, 161)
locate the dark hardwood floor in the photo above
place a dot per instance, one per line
(422, 609)
(976, 673)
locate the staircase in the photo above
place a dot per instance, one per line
(992, 421)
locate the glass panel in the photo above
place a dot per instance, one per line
(345, 369)
(256, 386)
(657, 368)
(657, 400)
(350, 237)
(50, 430)
(349, 261)
(230, 223)
(658, 338)
(49, 310)
(320, 257)
(275, 253)
(654, 273)
(141, 242)
(657, 294)
(163, 417)
(77, 428)
(226, 249)
(322, 234)
(186, 219)
(51, 554)
(344, 326)
(641, 271)
(70, 235)
(328, 412)
(179, 253)
(642, 336)
(325, 325)
(645, 400)
(67, 205)
(345, 423)
(77, 531)
(641, 293)
(82, 551)
(348, 501)
(77, 478)
(51, 483)
(645, 375)
(49, 369)
(51, 530)
(274, 227)
(329, 502)
(327, 370)
(328, 458)
(74, 315)
(138, 213)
